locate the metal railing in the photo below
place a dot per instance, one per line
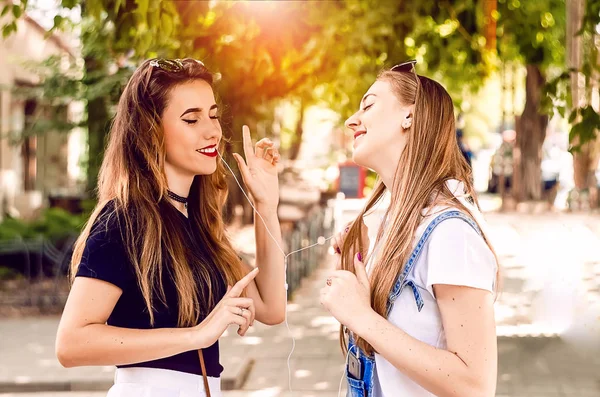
(306, 232)
(42, 261)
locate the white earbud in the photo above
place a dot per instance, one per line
(407, 123)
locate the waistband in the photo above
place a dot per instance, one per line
(166, 378)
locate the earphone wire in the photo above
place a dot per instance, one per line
(285, 259)
(344, 372)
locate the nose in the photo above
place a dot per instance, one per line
(353, 122)
(212, 131)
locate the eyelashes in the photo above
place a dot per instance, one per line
(367, 107)
(215, 117)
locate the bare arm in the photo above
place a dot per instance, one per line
(268, 289)
(84, 338)
(467, 368)
(260, 175)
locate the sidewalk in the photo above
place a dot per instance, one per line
(317, 362)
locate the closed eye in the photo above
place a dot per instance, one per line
(367, 107)
(190, 121)
(215, 110)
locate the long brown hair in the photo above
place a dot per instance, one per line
(132, 178)
(431, 157)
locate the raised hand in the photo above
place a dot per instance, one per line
(259, 171)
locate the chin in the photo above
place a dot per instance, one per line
(206, 170)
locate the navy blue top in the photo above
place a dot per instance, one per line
(105, 258)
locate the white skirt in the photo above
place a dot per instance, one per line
(153, 382)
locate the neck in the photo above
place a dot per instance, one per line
(388, 168)
(177, 182)
(387, 177)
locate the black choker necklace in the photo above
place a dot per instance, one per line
(177, 198)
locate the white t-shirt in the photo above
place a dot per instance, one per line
(454, 254)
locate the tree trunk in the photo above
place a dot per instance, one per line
(232, 123)
(595, 158)
(585, 161)
(233, 144)
(531, 132)
(297, 138)
(97, 112)
(98, 121)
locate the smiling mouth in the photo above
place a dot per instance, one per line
(360, 133)
(210, 151)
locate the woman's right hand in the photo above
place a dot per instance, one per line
(337, 242)
(232, 309)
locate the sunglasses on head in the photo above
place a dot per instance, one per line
(408, 66)
(171, 65)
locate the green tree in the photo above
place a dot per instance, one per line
(109, 30)
(569, 96)
(531, 33)
(444, 37)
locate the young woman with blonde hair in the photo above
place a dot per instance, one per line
(418, 312)
(152, 267)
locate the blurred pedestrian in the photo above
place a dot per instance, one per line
(464, 148)
(502, 164)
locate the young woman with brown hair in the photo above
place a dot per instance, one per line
(419, 312)
(152, 267)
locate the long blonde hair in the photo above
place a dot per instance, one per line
(132, 178)
(431, 157)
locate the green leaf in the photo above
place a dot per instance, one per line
(5, 10)
(17, 11)
(586, 129)
(70, 4)
(573, 115)
(58, 20)
(8, 29)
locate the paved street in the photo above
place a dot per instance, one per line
(548, 319)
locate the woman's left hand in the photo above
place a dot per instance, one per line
(348, 296)
(260, 170)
